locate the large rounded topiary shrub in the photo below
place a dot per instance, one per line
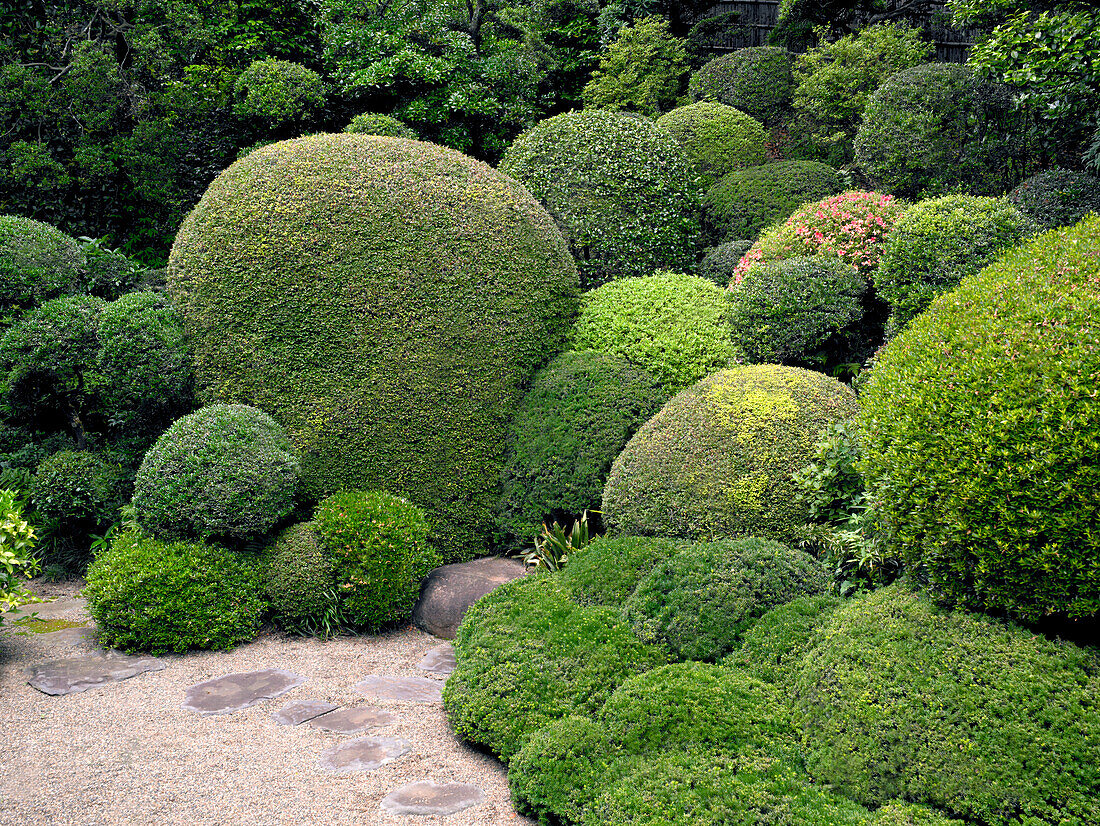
(717, 138)
(1057, 198)
(981, 426)
(758, 81)
(37, 262)
(225, 470)
(717, 460)
(384, 300)
(621, 189)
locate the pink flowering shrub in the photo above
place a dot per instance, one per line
(850, 226)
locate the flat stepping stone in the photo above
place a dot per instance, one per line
(234, 692)
(300, 711)
(428, 798)
(48, 610)
(440, 660)
(75, 674)
(363, 754)
(352, 720)
(413, 689)
(450, 589)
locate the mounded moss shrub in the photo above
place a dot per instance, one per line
(717, 138)
(372, 123)
(746, 201)
(148, 595)
(671, 325)
(718, 263)
(299, 581)
(717, 460)
(622, 191)
(607, 570)
(1057, 198)
(528, 655)
(396, 358)
(224, 470)
(757, 80)
(278, 92)
(937, 243)
(983, 432)
(378, 544)
(580, 412)
(773, 647)
(37, 262)
(897, 698)
(938, 127)
(699, 600)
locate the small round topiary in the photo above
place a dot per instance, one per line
(717, 460)
(379, 549)
(278, 92)
(1057, 198)
(744, 202)
(37, 262)
(671, 325)
(372, 123)
(79, 488)
(938, 127)
(772, 649)
(717, 138)
(147, 595)
(979, 424)
(786, 311)
(224, 470)
(300, 583)
(937, 243)
(580, 412)
(607, 570)
(699, 600)
(758, 81)
(622, 191)
(718, 263)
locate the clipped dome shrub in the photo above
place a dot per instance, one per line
(622, 191)
(938, 127)
(772, 649)
(898, 699)
(786, 311)
(1057, 198)
(148, 595)
(528, 655)
(757, 80)
(278, 92)
(980, 426)
(299, 582)
(718, 263)
(79, 488)
(608, 569)
(673, 326)
(224, 470)
(717, 138)
(37, 262)
(372, 123)
(396, 358)
(378, 544)
(937, 243)
(717, 460)
(746, 201)
(581, 410)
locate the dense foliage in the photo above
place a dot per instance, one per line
(1057, 198)
(371, 123)
(717, 138)
(773, 647)
(17, 563)
(719, 262)
(278, 92)
(640, 70)
(299, 582)
(37, 262)
(757, 81)
(607, 570)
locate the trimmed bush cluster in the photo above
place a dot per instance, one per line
(673, 326)
(385, 300)
(982, 432)
(773, 647)
(717, 138)
(372, 123)
(37, 262)
(580, 412)
(300, 583)
(1057, 198)
(718, 263)
(717, 460)
(278, 92)
(758, 81)
(622, 191)
(607, 570)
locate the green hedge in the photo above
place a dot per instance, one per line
(79, 488)
(608, 569)
(717, 138)
(1057, 198)
(772, 649)
(718, 263)
(299, 582)
(278, 92)
(758, 81)
(37, 262)
(371, 123)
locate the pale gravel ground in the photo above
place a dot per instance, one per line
(127, 753)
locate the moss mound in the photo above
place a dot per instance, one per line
(37, 262)
(607, 570)
(621, 189)
(387, 319)
(1057, 198)
(717, 460)
(759, 81)
(717, 138)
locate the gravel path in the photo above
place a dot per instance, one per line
(128, 753)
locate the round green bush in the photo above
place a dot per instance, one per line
(278, 92)
(299, 581)
(395, 359)
(224, 470)
(717, 138)
(608, 569)
(528, 655)
(109, 273)
(757, 80)
(745, 202)
(673, 326)
(622, 191)
(772, 649)
(938, 127)
(580, 412)
(1057, 198)
(937, 243)
(717, 460)
(372, 123)
(378, 544)
(898, 699)
(718, 263)
(786, 311)
(148, 595)
(79, 488)
(980, 426)
(699, 600)
(37, 262)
